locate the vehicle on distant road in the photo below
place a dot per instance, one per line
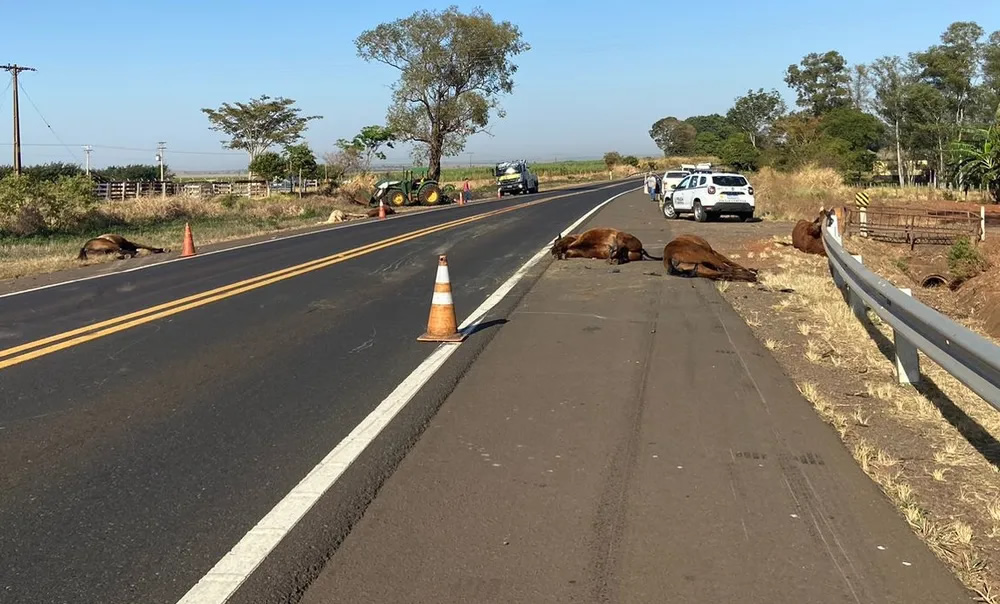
(515, 177)
(710, 195)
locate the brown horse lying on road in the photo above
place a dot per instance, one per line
(692, 256)
(115, 244)
(617, 247)
(808, 236)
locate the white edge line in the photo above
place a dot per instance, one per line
(266, 241)
(229, 573)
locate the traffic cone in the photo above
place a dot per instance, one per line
(188, 242)
(442, 326)
(381, 210)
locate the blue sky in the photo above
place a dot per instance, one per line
(123, 75)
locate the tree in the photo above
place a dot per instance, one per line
(929, 113)
(269, 165)
(821, 82)
(755, 112)
(260, 124)
(711, 131)
(631, 160)
(673, 136)
(739, 152)
(453, 68)
(367, 144)
(991, 74)
(980, 163)
(712, 124)
(301, 157)
(612, 159)
(862, 134)
(952, 66)
(859, 86)
(889, 102)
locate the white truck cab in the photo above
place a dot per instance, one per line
(710, 195)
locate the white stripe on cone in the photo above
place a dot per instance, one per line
(441, 299)
(442, 274)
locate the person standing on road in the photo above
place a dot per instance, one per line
(651, 186)
(466, 189)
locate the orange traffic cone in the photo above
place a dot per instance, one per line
(381, 210)
(188, 242)
(442, 326)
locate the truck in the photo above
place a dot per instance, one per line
(515, 177)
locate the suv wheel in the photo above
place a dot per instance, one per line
(747, 216)
(669, 211)
(700, 214)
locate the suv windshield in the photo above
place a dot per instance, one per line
(729, 181)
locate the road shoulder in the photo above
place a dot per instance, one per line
(625, 437)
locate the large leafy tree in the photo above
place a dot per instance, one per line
(711, 130)
(952, 66)
(755, 112)
(673, 136)
(367, 145)
(821, 81)
(453, 68)
(259, 124)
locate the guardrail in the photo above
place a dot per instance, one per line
(971, 358)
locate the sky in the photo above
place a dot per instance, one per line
(121, 76)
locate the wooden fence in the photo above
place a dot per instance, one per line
(134, 190)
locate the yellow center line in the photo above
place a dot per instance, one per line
(38, 348)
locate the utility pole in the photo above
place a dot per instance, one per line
(160, 148)
(87, 149)
(14, 70)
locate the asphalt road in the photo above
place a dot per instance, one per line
(134, 461)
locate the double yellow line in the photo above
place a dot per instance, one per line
(32, 350)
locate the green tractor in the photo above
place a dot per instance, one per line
(410, 190)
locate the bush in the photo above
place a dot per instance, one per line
(29, 205)
(964, 260)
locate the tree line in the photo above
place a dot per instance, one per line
(929, 116)
(54, 170)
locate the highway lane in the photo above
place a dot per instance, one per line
(31, 315)
(133, 462)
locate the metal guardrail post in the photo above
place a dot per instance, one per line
(855, 301)
(907, 355)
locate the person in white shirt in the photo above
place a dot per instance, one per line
(651, 186)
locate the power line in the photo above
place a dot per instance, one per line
(49, 126)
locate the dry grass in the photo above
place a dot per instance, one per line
(800, 194)
(160, 222)
(947, 490)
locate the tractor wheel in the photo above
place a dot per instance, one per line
(429, 194)
(395, 197)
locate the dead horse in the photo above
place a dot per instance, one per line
(808, 236)
(617, 247)
(692, 256)
(115, 244)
